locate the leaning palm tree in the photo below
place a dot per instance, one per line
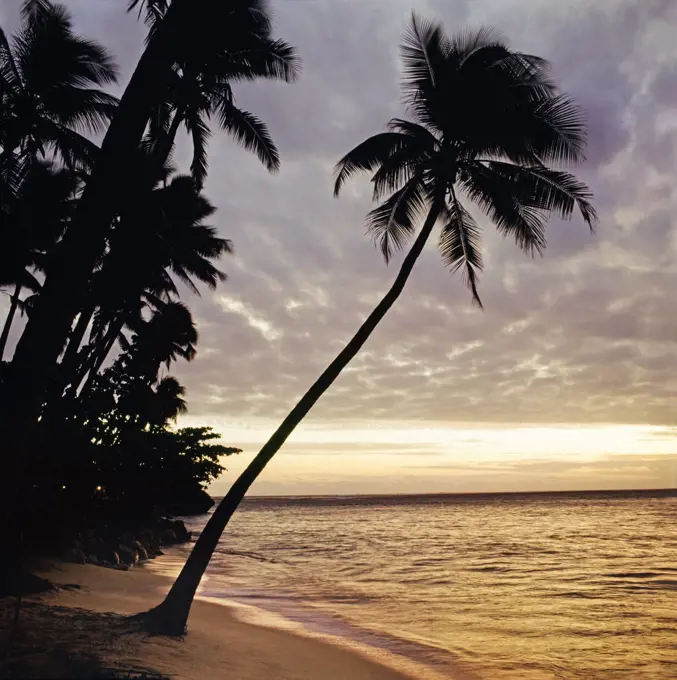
(486, 124)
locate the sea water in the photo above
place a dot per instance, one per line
(566, 586)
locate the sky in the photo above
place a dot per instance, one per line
(567, 379)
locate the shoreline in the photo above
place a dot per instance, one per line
(419, 657)
(268, 646)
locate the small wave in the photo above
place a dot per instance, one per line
(501, 570)
(250, 555)
(634, 574)
(577, 594)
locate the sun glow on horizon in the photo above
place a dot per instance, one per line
(401, 457)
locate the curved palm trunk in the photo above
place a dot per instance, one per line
(170, 616)
(45, 334)
(10, 319)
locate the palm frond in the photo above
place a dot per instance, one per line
(50, 55)
(393, 222)
(527, 72)
(460, 244)
(467, 43)
(367, 156)
(155, 9)
(557, 132)
(77, 151)
(416, 147)
(35, 10)
(509, 204)
(83, 108)
(264, 58)
(250, 132)
(394, 172)
(556, 191)
(197, 268)
(424, 49)
(421, 134)
(10, 76)
(200, 134)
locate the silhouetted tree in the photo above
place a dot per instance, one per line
(162, 236)
(190, 31)
(34, 218)
(49, 80)
(49, 77)
(486, 123)
(199, 93)
(131, 395)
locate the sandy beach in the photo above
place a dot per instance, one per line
(85, 620)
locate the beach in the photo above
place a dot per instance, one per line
(219, 642)
(578, 586)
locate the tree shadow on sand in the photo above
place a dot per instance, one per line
(65, 642)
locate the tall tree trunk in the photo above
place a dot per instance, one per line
(43, 339)
(70, 356)
(14, 305)
(100, 356)
(171, 615)
(68, 368)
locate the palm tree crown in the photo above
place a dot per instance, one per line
(201, 85)
(49, 88)
(486, 123)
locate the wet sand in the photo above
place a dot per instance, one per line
(78, 629)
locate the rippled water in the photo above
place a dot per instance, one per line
(532, 586)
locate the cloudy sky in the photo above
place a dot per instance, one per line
(568, 378)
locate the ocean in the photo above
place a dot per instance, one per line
(565, 586)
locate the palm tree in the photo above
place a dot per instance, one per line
(49, 80)
(48, 90)
(485, 123)
(161, 236)
(193, 31)
(196, 95)
(168, 335)
(34, 220)
(168, 401)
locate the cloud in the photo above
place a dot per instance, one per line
(583, 335)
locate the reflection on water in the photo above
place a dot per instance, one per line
(575, 586)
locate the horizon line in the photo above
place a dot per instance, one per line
(672, 489)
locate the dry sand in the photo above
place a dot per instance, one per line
(70, 624)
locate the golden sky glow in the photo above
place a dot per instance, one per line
(394, 457)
